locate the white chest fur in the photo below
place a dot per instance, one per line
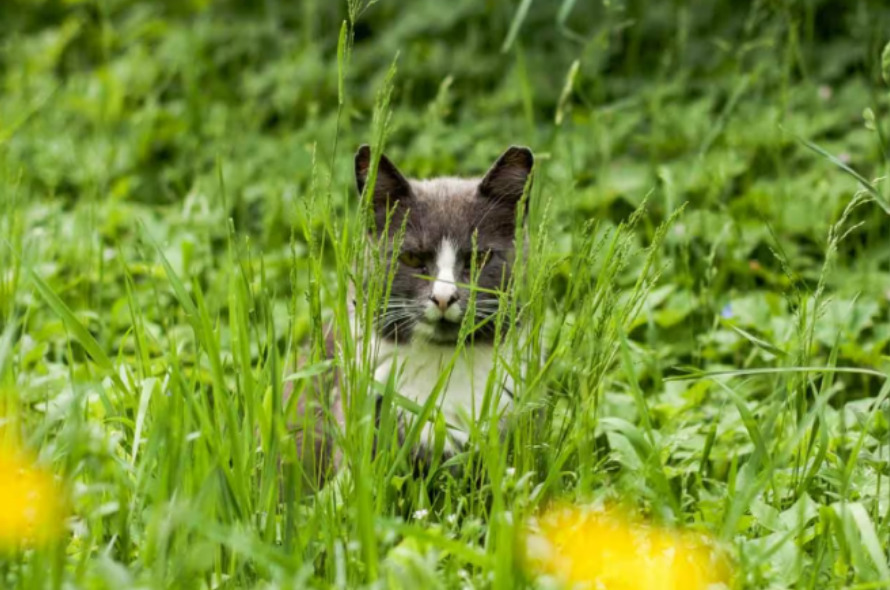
(419, 366)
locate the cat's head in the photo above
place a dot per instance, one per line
(442, 218)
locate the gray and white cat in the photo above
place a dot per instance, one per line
(415, 334)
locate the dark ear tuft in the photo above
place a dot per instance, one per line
(389, 188)
(362, 167)
(505, 181)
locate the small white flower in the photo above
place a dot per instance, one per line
(421, 514)
(825, 92)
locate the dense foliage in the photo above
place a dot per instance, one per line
(710, 281)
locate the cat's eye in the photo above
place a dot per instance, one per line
(411, 259)
(482, 258)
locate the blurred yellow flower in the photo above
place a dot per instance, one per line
(606, 550)
(31, 510)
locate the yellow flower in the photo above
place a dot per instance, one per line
(31, 510)
(606, 550)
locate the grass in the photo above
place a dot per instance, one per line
(704, 296)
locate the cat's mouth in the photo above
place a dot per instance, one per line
(438, 325)
(439, 330)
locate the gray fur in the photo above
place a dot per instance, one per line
(441, 208)
(446, 208)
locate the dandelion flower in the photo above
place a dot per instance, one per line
(30, 507)
(605, 550)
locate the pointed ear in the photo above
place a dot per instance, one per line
(390, 187)
(505, 181)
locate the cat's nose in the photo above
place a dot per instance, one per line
(443, 302)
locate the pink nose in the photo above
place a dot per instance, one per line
(443, 302)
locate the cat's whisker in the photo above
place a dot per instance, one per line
(389, 318)
(392, 328)
(388, 322)
(406, 309)
(394, 320)
(488, 307)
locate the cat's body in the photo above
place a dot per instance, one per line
(419, 364)
(455, 255)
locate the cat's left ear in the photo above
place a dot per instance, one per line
(505, 181)
(391, 190)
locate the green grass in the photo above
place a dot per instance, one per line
(705, 297)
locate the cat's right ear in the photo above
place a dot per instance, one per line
(506, 181)
(390, 187)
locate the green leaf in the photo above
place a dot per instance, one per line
(515, 25)
(310, 371)
(876, 196)
(562, 105)
(759, 343)
(341, 63)
(695, 374)
(77, 329)
(866, 537)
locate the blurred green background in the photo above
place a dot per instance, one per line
(116, 110)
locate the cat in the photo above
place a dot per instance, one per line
(459, 238)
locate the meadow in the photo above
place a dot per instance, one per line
(705, 296)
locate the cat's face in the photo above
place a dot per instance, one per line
(433, 269)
